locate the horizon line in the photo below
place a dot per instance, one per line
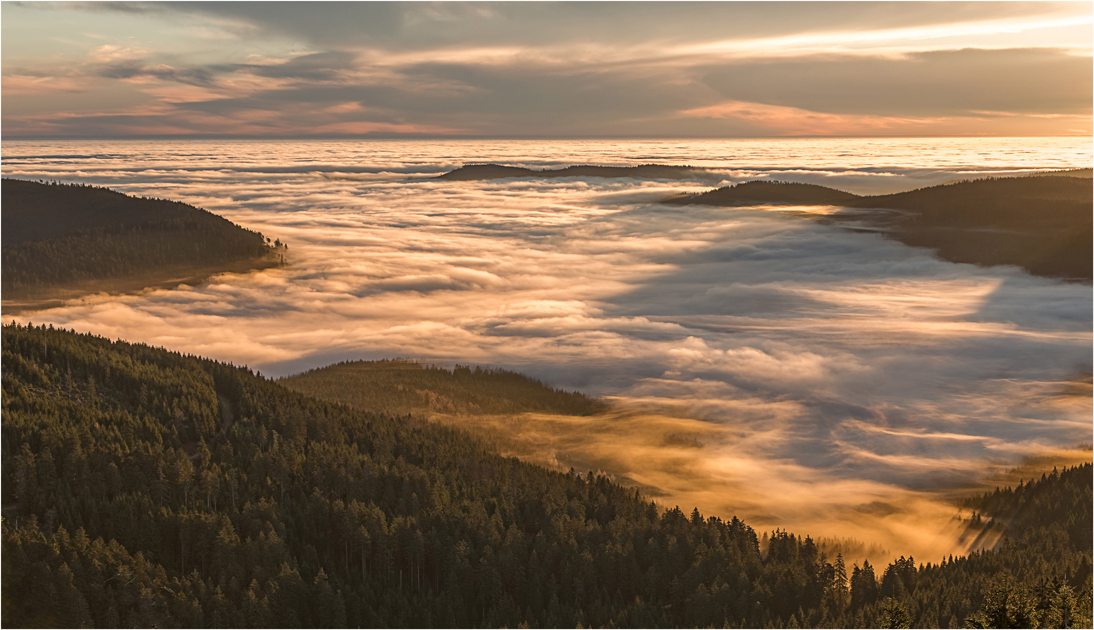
(489, 137)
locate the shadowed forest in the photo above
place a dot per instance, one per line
(59, 239)
(1040, 223)
(148, 488)
(404, 387)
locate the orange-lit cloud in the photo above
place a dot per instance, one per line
(779, 120)
(23, 84)
(794, 121)
(695, 70)
(110, 53)
(767, 366)
(364, 127)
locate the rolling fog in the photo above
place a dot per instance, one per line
(765, 365)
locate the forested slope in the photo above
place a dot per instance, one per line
(753, 192)
(1040, 223)
(146, 488)
(405, 387)
(57, 235)
(1057, 499)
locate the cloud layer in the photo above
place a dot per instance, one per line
(765, 365)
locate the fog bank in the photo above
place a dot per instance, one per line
(795, 374)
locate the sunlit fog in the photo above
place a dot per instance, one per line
(762, 364)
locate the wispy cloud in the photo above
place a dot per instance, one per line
(795, 121)
(566, 70)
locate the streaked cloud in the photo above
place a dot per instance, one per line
(569, 69)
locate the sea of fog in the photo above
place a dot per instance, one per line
(766, 365)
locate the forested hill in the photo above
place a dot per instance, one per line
(1040, 223)
(498, 171)
(146, 488)
(945, 199)
(1058, 499)
(62, 235)
(751, 193)
(405, 387)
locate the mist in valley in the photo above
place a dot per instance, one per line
(791, 373)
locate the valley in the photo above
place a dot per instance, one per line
(525, 373)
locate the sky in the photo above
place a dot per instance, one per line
(551, 70)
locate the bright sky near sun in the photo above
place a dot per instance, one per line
(546, 70)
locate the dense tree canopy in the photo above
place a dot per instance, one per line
(1040, 223)
(59, 234)
(146, 488)
(405, 387)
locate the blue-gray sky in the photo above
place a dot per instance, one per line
(615, 69)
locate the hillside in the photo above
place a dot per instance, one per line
(1041, 223)
(1057, 498)
(498, 171)
(1087, 173)
(748, 193)
(403, 387)
(63, 240)
(146, 488)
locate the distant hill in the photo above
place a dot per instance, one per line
(1041, 223)
(748, 193)
(63, 240)
(404, 387)
(498, 171)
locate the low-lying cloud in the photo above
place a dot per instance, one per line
(793, 373)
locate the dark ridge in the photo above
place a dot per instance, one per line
(405, 387)
(487, 171)
(58, 236)
(1087, 173)
(747, 193)
(498, 171)
(1061, 498)
(145, 488)
(36, 211)
(1012, 203)
(1041, 223)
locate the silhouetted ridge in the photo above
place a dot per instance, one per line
(1013, 202)
(769, 192)
(59, 234)
(1041, 223)
(1087, 173)
(402, 387)
(486, 171)
(498, 171)
(1058, 498)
